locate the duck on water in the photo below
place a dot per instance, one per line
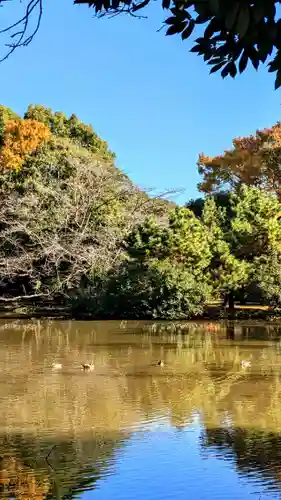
(88, 367)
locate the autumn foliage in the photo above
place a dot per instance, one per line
(20, 139)
(253, 160)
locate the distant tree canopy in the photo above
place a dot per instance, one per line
(253, 160)
(235, 31)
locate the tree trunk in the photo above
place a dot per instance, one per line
(231, 301)
(230, 332)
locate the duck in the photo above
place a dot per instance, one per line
(160, 362)
(246, 364)
(87, 366)
(57, 366)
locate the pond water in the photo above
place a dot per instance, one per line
(206, 425)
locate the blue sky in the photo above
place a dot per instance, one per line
(152, 100)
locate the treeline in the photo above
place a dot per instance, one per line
(76, 232)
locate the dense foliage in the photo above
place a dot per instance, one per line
(75, 231)
(235, 33)
(253, 160)
(65, 206)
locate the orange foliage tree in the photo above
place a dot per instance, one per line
(253, 160)
(20, 139)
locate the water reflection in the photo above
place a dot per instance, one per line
(34, 467)
(65, 431)
(255, 453)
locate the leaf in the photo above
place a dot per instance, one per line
(170, 20)
(231, 16)
(196, 48)
(202, 8)
(270, 10)
(254, 56)
(258, 11)
(214, 5)
(243, 20)
(243, 62)
(188, 30)
(275, 64)
(232, 69)
(265, 48)
(217, 67)
(180, 15)
(278, 80)
(212, 27)
(177, 28)
(225, 71)
(177, 10)
(166, 4)
(229, 69)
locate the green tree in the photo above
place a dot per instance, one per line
(72, 128)
(242, 242)
(165, 275)
(65, 212)
(235, 31)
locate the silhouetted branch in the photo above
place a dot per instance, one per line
(23, 24)
(47, 457)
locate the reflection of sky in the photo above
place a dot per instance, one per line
(165, 463)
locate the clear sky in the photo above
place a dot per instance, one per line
(153, 101)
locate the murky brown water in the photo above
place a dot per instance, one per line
(206, 425)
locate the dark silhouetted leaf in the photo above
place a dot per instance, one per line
(270, 10)
(188, 30)
(275, 64)
(171, 20)
(258, 11)
(214, 5)
(177, 10)
(243, 19)
(166, 4)
(176, 28)
(231, 15)
(243, 62)
(202, 9)
(229, 69)
(232, 69)
(225, 71)
(278, 80)
(212, 27)
(217, 67)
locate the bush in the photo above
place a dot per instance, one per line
(155, 290)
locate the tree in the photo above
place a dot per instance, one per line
(20, 138)
(253, 160)
(235, 32)
(165, 275)
(245, 244)
(65, 208)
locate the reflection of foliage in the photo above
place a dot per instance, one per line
(252, 450)
(21, 482)
(75, 465)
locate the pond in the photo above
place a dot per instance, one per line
(206, 425)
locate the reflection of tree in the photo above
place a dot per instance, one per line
(253, 451)
(73, 465)
(202, 372)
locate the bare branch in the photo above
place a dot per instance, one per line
(23, 39)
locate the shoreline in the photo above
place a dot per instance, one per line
(212, 312)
